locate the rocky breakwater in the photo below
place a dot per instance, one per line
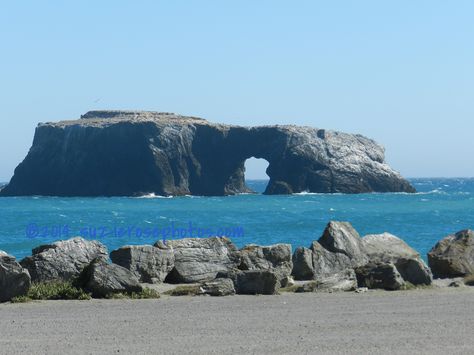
(128, 153)
(340, 260)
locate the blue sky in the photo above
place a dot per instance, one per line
(399, 72)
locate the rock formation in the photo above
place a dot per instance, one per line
(63, 260)
(453, 256)
(379, 261)
(123, 153)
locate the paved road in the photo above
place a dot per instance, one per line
(425, 321)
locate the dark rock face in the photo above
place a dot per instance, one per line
(276, 258)
(117, 153)
(198, 260)
(303, 268)
(379, 275)
(453, 256)
(257, 282)
(218, 287)
(63, 260)
(148, 263)
(102, 279)
(14, 280)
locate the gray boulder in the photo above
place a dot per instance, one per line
(342, 238)
(148, 263)
(303, 264)
(200, 259)
(63, 260)
(257, 282)
(379, 275)
(218, 287)
(102, 279)
(339, 248)
(387, 248)
(276, 258)
(14, 280)
(453, 256)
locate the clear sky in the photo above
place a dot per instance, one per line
(401, 72)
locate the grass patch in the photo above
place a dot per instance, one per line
(55, 290)
(147, 293)
(184, 291)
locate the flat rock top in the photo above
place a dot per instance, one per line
(104, 118)
(107, 117)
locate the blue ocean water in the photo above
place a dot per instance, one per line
(441, 207)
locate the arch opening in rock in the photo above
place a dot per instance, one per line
(256, 177)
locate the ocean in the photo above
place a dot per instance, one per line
(440, 207)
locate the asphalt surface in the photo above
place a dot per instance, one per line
(434, 321)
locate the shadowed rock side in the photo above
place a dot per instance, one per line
(121, 153)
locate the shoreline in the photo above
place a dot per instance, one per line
(430, 321)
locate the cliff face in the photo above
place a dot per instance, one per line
(121, 153)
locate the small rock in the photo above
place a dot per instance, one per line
(218, 287)
(379, 275)
(257, 282)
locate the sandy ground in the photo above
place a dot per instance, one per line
(422, 321)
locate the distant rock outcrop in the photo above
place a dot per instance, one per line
(122, 153)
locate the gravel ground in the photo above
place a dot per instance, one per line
(421, 321)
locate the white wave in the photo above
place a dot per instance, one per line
(153, 195)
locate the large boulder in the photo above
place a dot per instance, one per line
(200, 259)
(379, 275)
(303, 268)
(63, 260)
(276, 258)
(14, 280)
(453, 256)
(339, 248)
(387, 248)
(218, 287)
(102, 279)
(257, 282)
(342, 238)
(148, 263)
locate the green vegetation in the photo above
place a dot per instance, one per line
(191, 290)
(146, 293)
(57, 290)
